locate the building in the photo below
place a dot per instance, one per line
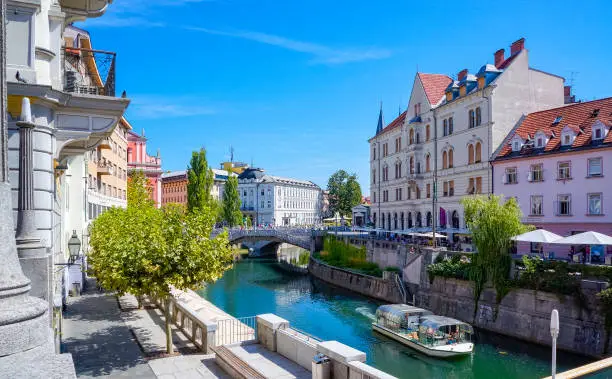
(107, 172)
(556, 164)
(441, 145)
(140, 160)
(235, 167)
(278, 201)
(61, 102)
(174, 186)
(361, 215)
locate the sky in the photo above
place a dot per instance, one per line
(295, 86)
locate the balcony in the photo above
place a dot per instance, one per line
(89, 72)
(104, 144)
(104, 168)
(244, 208)
(81, 9)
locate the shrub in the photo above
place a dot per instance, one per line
(339, 254)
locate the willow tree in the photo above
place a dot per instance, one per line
(200, 182)
(143, 250)
(493, 222)
(231, 203)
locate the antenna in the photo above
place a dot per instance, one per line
(232, 154)
(573, 75)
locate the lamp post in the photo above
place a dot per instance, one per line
(74, 249)
(554, 332)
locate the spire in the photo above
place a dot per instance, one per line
(380, 126)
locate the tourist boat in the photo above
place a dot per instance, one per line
(417, 328)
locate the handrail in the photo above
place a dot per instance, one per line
(401, 287)
(588, 369)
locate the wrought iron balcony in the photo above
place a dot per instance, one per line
(90, 72)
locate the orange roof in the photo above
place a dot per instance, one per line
(395, 123)
(580, 117)
(434, 86)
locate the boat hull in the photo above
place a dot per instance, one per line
(437, 353)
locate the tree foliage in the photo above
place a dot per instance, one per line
(140, 194)
(231, 214)
(200, 181)
(493, 222)
(143, 250)
(344, 192)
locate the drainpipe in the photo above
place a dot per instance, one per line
(489, 134)
(435, 180)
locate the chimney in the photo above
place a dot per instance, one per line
(517, 46)
(462, 74)
(567, 95)
(499, 57)
(567, 90)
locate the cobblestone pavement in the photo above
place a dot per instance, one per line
(101, 343)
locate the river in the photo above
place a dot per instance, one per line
(254, 287)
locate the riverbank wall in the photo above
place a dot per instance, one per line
(371, 286)
(523, 314)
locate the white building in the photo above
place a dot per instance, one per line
(450, 130)
(274, 200)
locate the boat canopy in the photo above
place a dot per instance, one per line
(398, 313)
(436, 322)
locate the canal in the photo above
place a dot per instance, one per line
(259, 286)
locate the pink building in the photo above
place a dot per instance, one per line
(139, 160)
(558, 165)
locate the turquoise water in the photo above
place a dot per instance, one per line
(255, 286)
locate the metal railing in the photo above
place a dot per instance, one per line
(235, 330)
(90, 72)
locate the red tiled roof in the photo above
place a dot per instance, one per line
(434, 86)
(578, 116)
(395, 123)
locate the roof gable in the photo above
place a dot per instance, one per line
(434, 86)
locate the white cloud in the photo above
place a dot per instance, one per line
(320, 53)
(157, 107)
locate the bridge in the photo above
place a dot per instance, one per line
(309, 239)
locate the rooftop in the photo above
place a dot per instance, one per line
(434, 86)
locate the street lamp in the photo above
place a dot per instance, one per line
(74, 248)
(554, 332)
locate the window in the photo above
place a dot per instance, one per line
(451, 188)
(478, 157)
(418, 138)
(564, 205)
(412, 165)
(398, 194)
(511, 177)
(536, 205)
(373, 197)
(428, 190)
(427, 163)
(450, 125)
(373, 176)
(478, 116)
(594, 203)
(470, 154)
(471, 188)
(374, 153)
(444, 159)
(411, 137)
(564, 171)
(479, 184)
(385, 149)
(594, 167)
(516, 146)
(450, 158)
(567, 140)
(471, 121)
(445, 127)
(536, 174)
(427, 133)
(418, 193)
(540, 142)
(445, 189)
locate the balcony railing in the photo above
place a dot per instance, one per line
(104, 168)
(90, 72)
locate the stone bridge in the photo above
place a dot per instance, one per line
(309, 239)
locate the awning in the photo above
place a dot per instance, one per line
(539, 235)
(586, 238)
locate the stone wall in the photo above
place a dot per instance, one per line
(524, 314)
(370, 286)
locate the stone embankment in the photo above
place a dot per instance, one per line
(378, 288)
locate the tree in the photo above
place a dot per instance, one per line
(231, 203)
(140, 194)
(143, 250)
(200, 181)
(344, 192)
(493, 222)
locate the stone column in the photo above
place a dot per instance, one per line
(34, 257)
(23, 319)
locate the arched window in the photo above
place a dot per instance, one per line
(412, 165)
(418, 168)
(450, 125)
(478, 117)
(402, 220)
(450, 158)
(455, 220)
(382, 217)
(418, 138)
(394, 220)
(471, 118)
(409, 220)
(389, 221)
(470, 154)
(418, 220)
(374, 220)
(427, 163)
(445, 127)
(429, 219)
(411, 137)
(444, 159)
(478, 153)
(427, 133)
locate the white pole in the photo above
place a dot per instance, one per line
(554, 332)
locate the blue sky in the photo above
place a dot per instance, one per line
(295, 86)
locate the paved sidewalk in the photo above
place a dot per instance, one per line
(269, 364)
(197, 366)
(100, 342)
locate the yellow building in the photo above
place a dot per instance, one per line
(235, 167)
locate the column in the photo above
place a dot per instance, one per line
(34, 257)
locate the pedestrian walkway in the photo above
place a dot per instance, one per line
(196, 366)
(269, 364)
(101, 343)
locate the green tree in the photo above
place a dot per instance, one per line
(200, 181)
(140, 193)
(231, 203)
(493, 222)
(143, 250)
(344, 192)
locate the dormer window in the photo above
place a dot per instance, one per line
(568, 135)
(541, 139)
(540, 142)
(599, 131)
(567, 140)
(516, 146)
(517, 143)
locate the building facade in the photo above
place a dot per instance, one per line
(441, 145)
(556, 163)
(278, 201)
(174, 186)
(139, 160)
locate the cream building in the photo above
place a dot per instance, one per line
(447, 136)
